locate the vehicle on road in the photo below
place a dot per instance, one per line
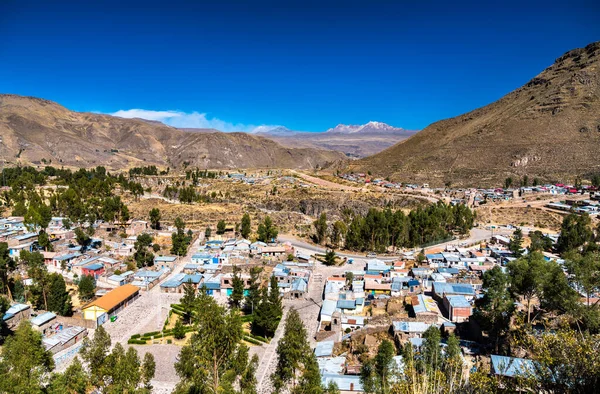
(371, 254)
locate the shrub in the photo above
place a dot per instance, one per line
(136, 342)
(251, 340)
(135, 336)
(169, 341)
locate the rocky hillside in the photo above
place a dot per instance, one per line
(549, 128)
(35, 131)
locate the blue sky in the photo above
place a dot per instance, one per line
(307, 65)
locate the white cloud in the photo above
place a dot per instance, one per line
(190, 120)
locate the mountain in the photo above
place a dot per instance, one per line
(369, 128)
(279, 131)
(549, 129)
(34, 130)
(354, 141)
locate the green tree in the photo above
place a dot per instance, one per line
(377, 373)
(95, 352)
(7, 266)
(59, 300)
(253, 295)
(179, 330)
(237, 294)
(266, 319)
(275, 299)
(82, 238)
(123, 369)
(246, 226)
(267, 231)
(148, 370)
(432, 355)
(585, 271)
(87, 288)
(179, 240)
(575, 232)
(221, 226)
(214, 360)
(330, 258)
(25, 364)
(494, 310)
(37, 271)
(527, 275)
(452, 363)
(310, 379)
(338, 232)
(508, 183)
(142, 256)
(73, 381)
(44, 241)
(292, 351)
(207, 233)
(188, 301)
(320, 228)
(516, 243)
(539, 242)
(155, 217)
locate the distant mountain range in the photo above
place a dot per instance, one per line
(547, 129)
(38, 131)
(355, 141)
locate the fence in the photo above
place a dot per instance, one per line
(76, 321)
(67, 355)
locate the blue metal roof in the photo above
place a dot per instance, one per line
(346, 304)
(43, 318)
(343, 382)
(458, 301)
(512, 366)
(166, 259)
(94, 267)
(453, 288)
(324, 349)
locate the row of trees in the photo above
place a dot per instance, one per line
(48, 291)
(380, 229)
(26, 367)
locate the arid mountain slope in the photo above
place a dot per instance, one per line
(35, 130)
(549, 128)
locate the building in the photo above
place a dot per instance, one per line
(165, 262)
(458, 308)
(440, 289)
(43, 322)
(94, 269)
(15, 314)
(111, 303)
(137, 227)
(64, 339)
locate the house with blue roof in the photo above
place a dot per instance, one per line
(15, 314)
(165, 261)
(43, 323)
(440, 289)
(459, 309)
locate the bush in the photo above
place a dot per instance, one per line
(251, 340)
(136, 342)
(247, 318)
(151, 333)
(169, 341)
(347, 331)
(258, 338)
(179, 330)
(135, 336)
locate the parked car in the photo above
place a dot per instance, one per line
(371, 254)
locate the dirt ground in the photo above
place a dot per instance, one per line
(537, 217)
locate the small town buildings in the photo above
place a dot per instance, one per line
(64, 339)
(163, 262)
(15, 314)
(137, 227)
(111, 303)
(43, 322)
(458, 308)
(440, 289)
(94, 270)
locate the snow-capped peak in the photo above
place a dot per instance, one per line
(370, 127)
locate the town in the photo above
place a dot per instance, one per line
(137, 280)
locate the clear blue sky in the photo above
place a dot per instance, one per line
(308, 65)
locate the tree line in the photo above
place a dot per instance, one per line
(379, 230)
